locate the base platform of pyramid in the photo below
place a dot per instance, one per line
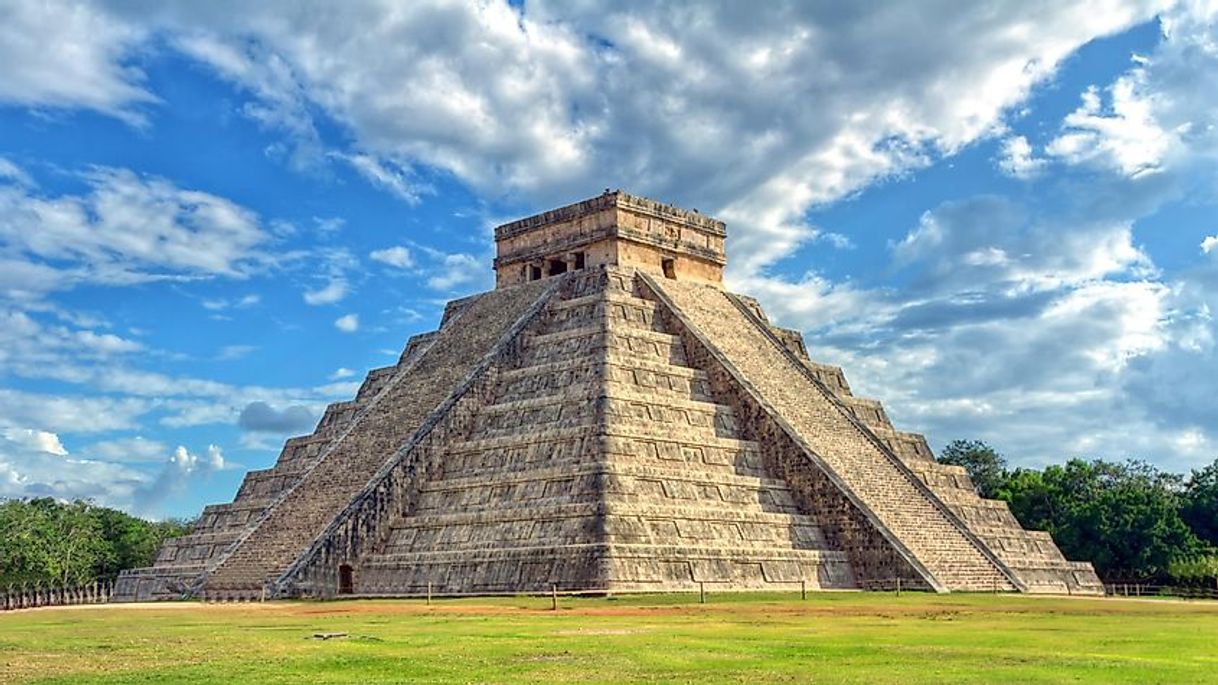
(608, 419)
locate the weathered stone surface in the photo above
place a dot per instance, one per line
(625, 426)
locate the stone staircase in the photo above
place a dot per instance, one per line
(931, 537)
(1031, 555)
(602, 462)
(181, 561)
(371, 434)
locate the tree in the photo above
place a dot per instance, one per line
(1122, 517)
(65, 543)
(45, 541)
(1200, 509)
(986, 467)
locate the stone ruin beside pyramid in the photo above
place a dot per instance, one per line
(609, 418)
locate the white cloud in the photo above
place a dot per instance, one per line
(221, 304)
(334, 291)
(455, 270)
(1158, 117)
(333, 266)
(397, 256)
(40, 441)
(66, 413)
(341, 373)
(181, 467)
(70, 55)
(1017, 159)
(395, 178)
(280, 102)
(12, 172)
(231, 352)
(991, 240)
(34, 463)
(133, 449)
(40, 467)
(348, 323)
(1126, 138)
(1209, 244)
(126, 229)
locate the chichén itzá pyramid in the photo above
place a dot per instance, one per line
(609, 418)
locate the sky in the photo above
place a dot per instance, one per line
(1000, 217)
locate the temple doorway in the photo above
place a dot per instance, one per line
(346, 580)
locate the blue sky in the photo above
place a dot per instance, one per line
(214, 219)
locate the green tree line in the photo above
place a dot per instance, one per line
(49, 542)
(1133, 521)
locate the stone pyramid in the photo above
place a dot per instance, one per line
(609, 418)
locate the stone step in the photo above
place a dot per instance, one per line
(615, 307)
(630, 568)
(571, 446)
(593, 341)
(560, 508)
(712, 476)
(619, 404)
(870, 412)
(588, 374)
(910, 447)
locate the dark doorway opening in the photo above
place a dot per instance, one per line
(534, 273)
(346, 580)
(557, 266)
(670, 268)
(579, 260)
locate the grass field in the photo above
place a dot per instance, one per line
(830, 637)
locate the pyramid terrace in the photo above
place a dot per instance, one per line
(609, 418)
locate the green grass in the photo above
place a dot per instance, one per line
(831, 637)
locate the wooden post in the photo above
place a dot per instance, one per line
(898, 586)
(803, 589)
(553, 598)
(701, 592)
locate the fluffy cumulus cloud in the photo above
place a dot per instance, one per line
(397, 256)
(387, 175)
(1018, 160)
(1009, 333)
(34, 463)
(181, 467)
(71, 55)
(127, 228)
(334, 284)
(348, 323)
(452, 271)
(1159, 116)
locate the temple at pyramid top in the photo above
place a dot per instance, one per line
(615, 229)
